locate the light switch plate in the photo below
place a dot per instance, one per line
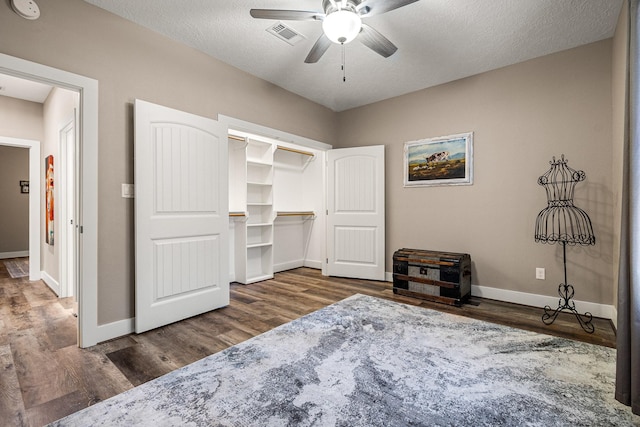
(540, 273)
(127, 191)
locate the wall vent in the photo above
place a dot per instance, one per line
(286, 33)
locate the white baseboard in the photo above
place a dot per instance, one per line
(115, 329)
(535, 300)
(50, 282)
(127, 326)
(17, 254)
(313, 264)
(289, 265)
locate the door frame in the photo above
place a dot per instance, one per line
(88, 331)
(34, 200)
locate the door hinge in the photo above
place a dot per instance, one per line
(81, 229)
(327, 260)
(327, 211)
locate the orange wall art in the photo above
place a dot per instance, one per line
(48, 171)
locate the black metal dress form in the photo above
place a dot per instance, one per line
(562, 221)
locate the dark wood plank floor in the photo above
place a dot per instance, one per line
(45, 376)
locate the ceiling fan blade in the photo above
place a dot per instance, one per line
(318, 49)
(376, 41)
(287, 15)
(376, 7)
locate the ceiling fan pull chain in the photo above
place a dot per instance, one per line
(344, 72)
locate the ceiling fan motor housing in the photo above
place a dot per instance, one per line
(332, 5)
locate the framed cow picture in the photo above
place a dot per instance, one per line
(445, 160)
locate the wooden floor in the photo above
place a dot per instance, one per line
(45, 376)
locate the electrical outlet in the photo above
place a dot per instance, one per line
(539, 273)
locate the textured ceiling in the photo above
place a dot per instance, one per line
(438, 41)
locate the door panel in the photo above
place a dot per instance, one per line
(355, 214)
(181, 215)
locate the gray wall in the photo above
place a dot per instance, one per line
(20, 119)
(14, 209)
(521, 116)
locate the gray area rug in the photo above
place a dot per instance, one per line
(17, 268)
(371, 362)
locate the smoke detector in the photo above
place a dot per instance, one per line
(28, 9)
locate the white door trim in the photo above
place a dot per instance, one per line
(88, 182)
(34, 200)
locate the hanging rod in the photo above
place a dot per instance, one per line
(295, 213)
(237, 214)
(238, 138)
(293, 150)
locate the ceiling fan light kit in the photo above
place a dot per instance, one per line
(342, 26)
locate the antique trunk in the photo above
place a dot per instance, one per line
(436, 276)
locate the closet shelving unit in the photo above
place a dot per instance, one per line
(251, 207)
(258, 229)
(271, 216)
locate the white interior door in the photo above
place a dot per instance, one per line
(355, 213)
(67, 192)
(181, 215)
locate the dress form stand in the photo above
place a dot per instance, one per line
(563, 222)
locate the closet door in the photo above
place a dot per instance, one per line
(181, 215)
(355, 213)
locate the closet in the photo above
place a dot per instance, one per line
(276, 195)
(295, 202)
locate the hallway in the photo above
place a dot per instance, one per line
(44, 374)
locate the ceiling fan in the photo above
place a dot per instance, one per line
(341, 23)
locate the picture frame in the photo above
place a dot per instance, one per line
(24, 187)
(444, 160)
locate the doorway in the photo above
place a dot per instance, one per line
(86, 185)
(52, 110)
(34, 201)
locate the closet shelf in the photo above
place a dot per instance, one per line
(260, 224)
(293, 150)
(259, 183)
(258, 162)
(259, 245)
(295, 213)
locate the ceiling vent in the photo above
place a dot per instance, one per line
(286, 33)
